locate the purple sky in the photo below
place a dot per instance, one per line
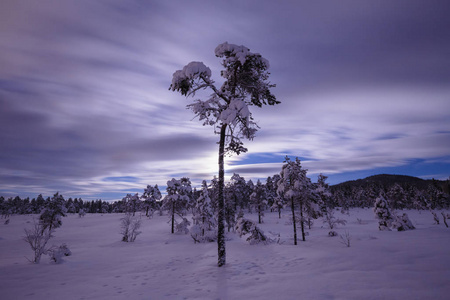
(85, 107)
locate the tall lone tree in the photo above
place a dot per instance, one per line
(227, 109)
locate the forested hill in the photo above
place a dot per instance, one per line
(388, 180)
(401, 190)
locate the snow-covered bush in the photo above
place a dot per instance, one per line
(130, 227)
(38, 237)
(382, 213)
(332, 233)
(182, 227)
(253, 234)
(402, 223)
(58, 252)
(200, 235)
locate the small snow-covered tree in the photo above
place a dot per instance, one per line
(382, 213)
(38, 237)
(203, 228)
(238, 191)
(258, 200)
(151, 196)
(177, 198)
(53, 212)
(295, 187)
(227, 109)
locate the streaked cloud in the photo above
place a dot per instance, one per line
(84, 90)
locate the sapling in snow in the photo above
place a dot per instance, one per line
(227, 109)
(331, 221)
(38, 237)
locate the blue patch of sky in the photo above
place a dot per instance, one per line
(121, 179)
(390, 136)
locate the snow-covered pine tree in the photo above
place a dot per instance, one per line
(177, 197)
(295, 187)
(382, 213)
(258, 200)
(227, 109)
(271, 190)
(51, 215)
(238, 190)
(249, 187)
(203, 228)
(151, 195)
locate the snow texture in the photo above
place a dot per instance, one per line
(379, 264)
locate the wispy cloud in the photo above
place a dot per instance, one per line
(84, 90)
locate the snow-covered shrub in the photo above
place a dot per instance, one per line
(58, 252)
(200, 235)
(402, 223)
(253, 234)
(332, 233)
(38, 237)
(182, 227)
(382, 213)
(130, 227)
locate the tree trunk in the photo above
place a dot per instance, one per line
(221, 201)
(293, 221)
(173, 216)
(301, 221)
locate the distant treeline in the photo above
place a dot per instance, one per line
(401, 192)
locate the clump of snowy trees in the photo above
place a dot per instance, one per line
(298, 191)
(42, 231)
(388, 220)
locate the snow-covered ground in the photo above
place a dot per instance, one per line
(159, 265)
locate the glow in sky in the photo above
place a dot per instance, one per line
(85, 107)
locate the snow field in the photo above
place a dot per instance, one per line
(158, 265)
